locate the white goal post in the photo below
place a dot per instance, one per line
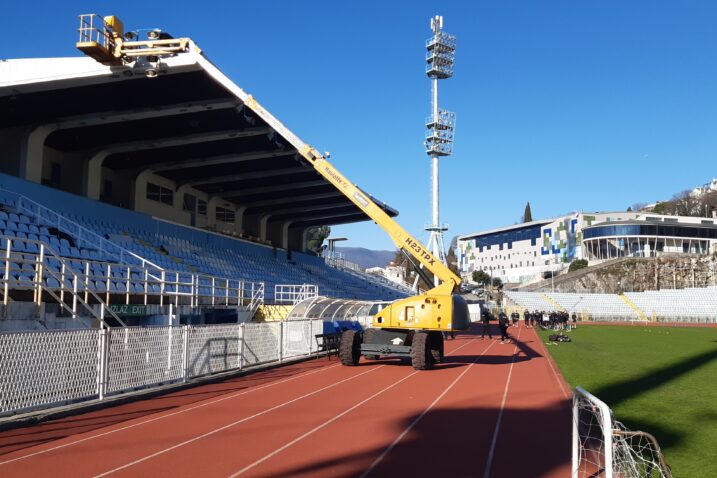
(604, 447)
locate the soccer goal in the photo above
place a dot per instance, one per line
(604, 447)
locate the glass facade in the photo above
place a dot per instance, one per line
(660, 230)
(509, 237)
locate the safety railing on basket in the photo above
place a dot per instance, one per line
(52, 368)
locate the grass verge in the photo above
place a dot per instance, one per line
(661, 380)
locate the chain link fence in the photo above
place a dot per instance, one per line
(52, 368)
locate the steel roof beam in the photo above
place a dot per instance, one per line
(292, 199)
(108, 117)
(244, 176)
(223, 159)
(270, 189)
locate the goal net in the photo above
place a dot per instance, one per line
(604, 447)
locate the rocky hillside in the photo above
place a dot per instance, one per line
(637, 274)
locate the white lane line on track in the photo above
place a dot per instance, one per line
(489, 463)
(549, 358)
(237, 422)
(144, 422)
(328, 422)
(413, 424)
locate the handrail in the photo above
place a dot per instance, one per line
(80, 233)
(170, 283)
(39, 272)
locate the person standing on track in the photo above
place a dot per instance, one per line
(526, 318)
(485, 322)
(503, 325)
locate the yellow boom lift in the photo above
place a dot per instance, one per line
(412, 327)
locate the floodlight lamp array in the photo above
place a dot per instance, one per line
(439, 133)
(440, 55)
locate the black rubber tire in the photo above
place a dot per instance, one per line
(367, 335)
(436, 340)
(350, 347)
(421, 357)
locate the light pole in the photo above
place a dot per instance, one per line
(440, 126)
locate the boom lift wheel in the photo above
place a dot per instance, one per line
(367, 335)
(350, 347)
(436, 340)
(421, 357)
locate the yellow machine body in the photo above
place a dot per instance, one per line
(115, 24)
(437, 309)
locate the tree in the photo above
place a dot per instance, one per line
(527, 214)
(409, 271)
(481, 278)
(315, 238)
(660, 208)
(452, 261)
(497, 283)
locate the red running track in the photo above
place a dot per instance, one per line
(491, 410)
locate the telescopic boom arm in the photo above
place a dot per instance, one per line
(401, 238)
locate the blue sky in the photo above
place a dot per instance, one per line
(571, 105)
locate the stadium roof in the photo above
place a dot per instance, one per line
(632, 222)
(513, 227)
(190, 124)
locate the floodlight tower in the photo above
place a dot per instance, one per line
(440, 126)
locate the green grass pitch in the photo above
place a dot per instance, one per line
(661, 380)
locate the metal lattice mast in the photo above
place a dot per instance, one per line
(440, 126)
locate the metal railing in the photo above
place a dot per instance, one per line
(337, 261)
(293, 294)
(29, 270)
(28, 264)
(81, 235)
(93, 28)
(52, 368)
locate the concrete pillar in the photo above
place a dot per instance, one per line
(263, 220)
(140, 187)
(93, 175)
(239, 218)
(285, 234)
(33, 151)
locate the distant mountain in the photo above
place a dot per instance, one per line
(366, 257)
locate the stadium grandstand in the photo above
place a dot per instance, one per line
(691, 305)
(156, 184)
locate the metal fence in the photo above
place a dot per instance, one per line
(52, 368)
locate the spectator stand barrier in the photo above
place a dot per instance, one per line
(54, 368)
(293, 294)
(29, 264)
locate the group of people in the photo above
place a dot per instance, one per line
(555, 320)
(503, 324)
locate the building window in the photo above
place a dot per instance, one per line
(55, 173)
(161, 194)
(189, 203)
(225, 215)
(202, 207)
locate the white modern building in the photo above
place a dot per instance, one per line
(526, 252)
